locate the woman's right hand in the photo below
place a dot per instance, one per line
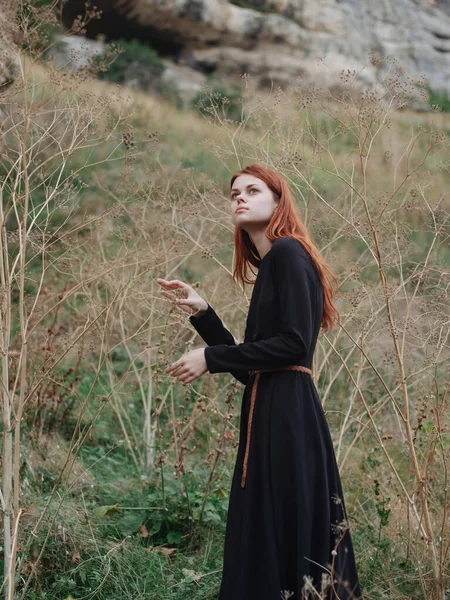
(190, 302)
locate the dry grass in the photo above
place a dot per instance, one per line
(96, 206)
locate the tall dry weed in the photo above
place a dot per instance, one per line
(90, 216)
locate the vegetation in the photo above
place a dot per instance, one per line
(220, 97)
(115, 477)
(259, 5)
(265, 7)
(439, 100)
(135, 64)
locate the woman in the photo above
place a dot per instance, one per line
(287, 528)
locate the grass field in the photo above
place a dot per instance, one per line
(118, 476)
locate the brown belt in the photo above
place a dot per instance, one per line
(252, 404)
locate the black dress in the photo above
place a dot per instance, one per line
(289, 521)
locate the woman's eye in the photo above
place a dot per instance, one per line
(252, 190)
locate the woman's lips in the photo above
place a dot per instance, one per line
(239, 209)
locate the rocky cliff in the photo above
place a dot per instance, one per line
(281, 39)
(273, 40)
(9, 61)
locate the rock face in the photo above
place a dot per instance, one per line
(75, 51)
(9, 59)
(443, 5)
(279, 40)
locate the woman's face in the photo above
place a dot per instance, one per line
(250, 193)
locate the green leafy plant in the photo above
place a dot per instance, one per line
(439, 100)
(226, 99)
(133, 62)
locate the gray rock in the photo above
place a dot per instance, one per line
(272, 40)
(443, 5)
(9, 57)
(74, 51)
(285, 38)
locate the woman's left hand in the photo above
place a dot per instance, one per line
(190, 366)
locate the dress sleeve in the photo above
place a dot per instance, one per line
(295, 281)
(211, 329)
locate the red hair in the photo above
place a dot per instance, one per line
(284, 223)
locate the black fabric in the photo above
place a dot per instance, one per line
(210, 327)
(290, 516)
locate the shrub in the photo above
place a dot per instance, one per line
(134, 62)
(226, 99)
(440, 100)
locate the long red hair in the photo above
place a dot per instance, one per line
(284, 223)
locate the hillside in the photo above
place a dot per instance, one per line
(123, 474)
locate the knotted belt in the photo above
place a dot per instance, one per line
(252, 404)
